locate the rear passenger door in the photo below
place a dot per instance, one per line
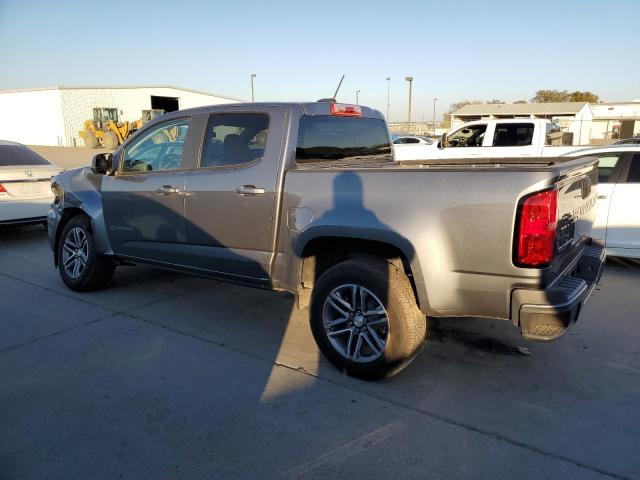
(513, 140)
(609, 166)
(231, 196)
(623, 228)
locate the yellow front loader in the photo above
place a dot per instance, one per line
(105, 130)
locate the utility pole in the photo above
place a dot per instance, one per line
(357, 97)
(410, 80)
(433, 126)
(253, 97)
(388, 93)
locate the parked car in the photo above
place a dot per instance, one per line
(25, 184)
(413, 140)
(306, 198)
(495, 138)
(617, 221)
(628, 141)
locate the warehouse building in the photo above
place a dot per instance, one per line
(54, 116)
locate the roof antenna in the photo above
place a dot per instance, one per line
(333, 99)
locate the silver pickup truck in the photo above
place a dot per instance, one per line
(306, 197)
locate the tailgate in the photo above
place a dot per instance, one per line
(577, 192)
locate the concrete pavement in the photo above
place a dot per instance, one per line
(170, 376)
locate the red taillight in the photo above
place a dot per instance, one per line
(536, 236)
(344, 110)
(2, 190)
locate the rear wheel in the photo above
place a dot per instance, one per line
(80, 267)
(90, 139)
(365, 319)
(110, 140)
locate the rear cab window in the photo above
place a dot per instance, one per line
(513, 134)
(324, 138)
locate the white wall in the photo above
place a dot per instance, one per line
(78, 104)
(32, 117)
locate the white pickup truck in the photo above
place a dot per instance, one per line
(502, 138)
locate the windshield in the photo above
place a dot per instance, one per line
(19, 155)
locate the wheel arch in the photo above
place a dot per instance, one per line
(321, 251)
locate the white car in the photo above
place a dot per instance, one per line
(617, 223)
(413, 140)
(25, 184)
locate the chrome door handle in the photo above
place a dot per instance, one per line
(601, 197)
(168, 190)
(249, 190)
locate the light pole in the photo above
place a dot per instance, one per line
(410, 80)
(253, 97)
(388, 92)
(357, 97)
(433, 126)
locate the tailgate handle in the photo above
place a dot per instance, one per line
(602, 197)
(168, 190)
(249, 190)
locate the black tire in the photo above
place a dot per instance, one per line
(407, 326)
(98, 270)
(110, 140)
(90, 139)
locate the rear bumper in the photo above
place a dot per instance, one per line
(544, 315)
(17, 211)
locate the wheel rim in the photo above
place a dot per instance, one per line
(356, 323)
(75, 252)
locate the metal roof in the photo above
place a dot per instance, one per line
(560, 108)
(117, 87)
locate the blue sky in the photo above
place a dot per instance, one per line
(298, 49)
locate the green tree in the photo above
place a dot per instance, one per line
(520, 101)
(547, 96)
(458, 105)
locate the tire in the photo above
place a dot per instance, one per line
(96, 271)
(384, 286)
(110, 140)
(90, 139)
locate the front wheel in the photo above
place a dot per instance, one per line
(365, 319)
(80, 267)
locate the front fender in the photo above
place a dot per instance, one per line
(78, 191)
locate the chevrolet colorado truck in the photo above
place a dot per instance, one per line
(307, 198)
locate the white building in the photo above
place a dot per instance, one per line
(54, 116)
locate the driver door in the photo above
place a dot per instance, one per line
(466, 142)
(144, 201)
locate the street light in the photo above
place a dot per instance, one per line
(253, 97)
(388, 92)
(357, 97)
(433, 126)
(410, 80)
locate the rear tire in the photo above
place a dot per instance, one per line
(110, 140)
(90, 139)
(386, 288)
(80, 267)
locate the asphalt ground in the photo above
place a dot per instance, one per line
(165, 375)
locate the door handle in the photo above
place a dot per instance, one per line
(602, 197)
(168, 190)
(249, 190)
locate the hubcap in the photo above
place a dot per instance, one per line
(356, 323)
(75, 252)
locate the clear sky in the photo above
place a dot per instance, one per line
(298, 49)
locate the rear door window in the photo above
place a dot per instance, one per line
(327, 137)
(606, 165)
(513, 134)
(234, 139)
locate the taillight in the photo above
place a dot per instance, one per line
(536, 229)
(344, 110)
(2, 190)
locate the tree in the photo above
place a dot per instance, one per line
(458, 105)
(547, 96)
(495, 102)
(520, 101)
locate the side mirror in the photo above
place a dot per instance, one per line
(102, 163)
